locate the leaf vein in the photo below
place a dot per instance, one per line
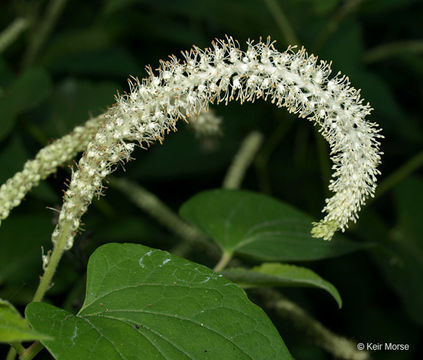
(182, 319)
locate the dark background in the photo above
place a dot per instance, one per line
(87, 57)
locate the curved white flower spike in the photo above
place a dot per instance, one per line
(66, 148)
(223, 73)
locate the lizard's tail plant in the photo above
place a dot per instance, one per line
(182, 89)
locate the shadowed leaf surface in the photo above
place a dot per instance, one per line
(13, 327)
(147, 304)
(259, 226)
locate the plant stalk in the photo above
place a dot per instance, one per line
(56, 255)
(283, 22)
(12, 32)
(338, 346)
(242, 160)
(11, 355)
(54, 9)
(32, 351)
(224, 260)
(384, 51)
(157, 209)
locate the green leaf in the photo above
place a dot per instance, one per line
(259, 226)
(275, 274)
(13, 327)
(147, 304)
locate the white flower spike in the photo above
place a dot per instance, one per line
(222, 73)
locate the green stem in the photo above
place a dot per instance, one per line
(387, 50)
(283, 22)
(32, 351)
(18, 347)
(54, 9)
(56, 255)
(11, 355)
(242, 160)
(401, 173)
(12, 32)
(334, 344)
(224, 260)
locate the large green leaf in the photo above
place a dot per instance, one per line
(259, 226)
(147, 304)
(275, 274)
(13, 327)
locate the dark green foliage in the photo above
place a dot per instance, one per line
(88, 56)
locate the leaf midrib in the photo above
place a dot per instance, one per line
(85, 307)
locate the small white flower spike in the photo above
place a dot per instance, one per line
(223, 73)
(45, 163)
(207, 123)
(65, 149)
